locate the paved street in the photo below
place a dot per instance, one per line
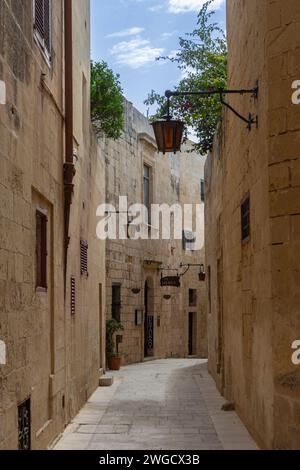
(164, 404)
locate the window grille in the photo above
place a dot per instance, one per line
(41, 250)
(116, 302)
(24, 426)
(73, 295)
(42, 25)
(245, 219)
(84, 258)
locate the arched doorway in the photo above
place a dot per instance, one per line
(149, 318)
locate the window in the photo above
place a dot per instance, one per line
(73, 295)
(42, 25)
(84, 258)
(188, 240)
(85, 118)
(209, 288)
(147, 192)
(41, 250)
(202, 189)
(24, 426)
(116, 302)
(245, 219)
(192, 297)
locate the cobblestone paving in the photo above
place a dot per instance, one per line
(167, 404)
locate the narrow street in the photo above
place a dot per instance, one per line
(157, 405)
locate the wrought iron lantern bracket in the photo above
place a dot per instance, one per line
(191, 265)
(250, 121)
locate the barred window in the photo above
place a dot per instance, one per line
(202, 190)
(209, 288)
(147, 192)
(116, 302)
(73, 295)
(41, 250)
(42, 25)
(245, 219)
(84, 258)
(24, 425)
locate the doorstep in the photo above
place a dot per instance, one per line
(149, 359)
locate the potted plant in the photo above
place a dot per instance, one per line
(112, 354)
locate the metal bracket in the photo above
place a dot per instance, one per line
(250, 121)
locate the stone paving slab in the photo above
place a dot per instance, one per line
(169, 404)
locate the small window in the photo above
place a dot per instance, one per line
(84, 258)
(192, 297)
(73, 295)
(202, 188)
(209, 288)
(85, 119)
(41, 250)
(147, 192)
(42, 25)
(116, 302)
(245, 219)
(24, 426)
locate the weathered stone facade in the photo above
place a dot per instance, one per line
(133, 263)
(253, 287)
(53, 357)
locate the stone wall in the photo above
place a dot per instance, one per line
(254, 310)
(283, 63)
(52, 357)
(131, 263)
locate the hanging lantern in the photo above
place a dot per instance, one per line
(168, 135)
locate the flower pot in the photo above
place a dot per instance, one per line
(114, 362)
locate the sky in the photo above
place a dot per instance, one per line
(130, 34)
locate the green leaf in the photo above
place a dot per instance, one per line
(203, 59)
(107, 102)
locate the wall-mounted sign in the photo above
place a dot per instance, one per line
(170, 281)
(138, 317)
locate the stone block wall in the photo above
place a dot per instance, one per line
(254, 312)
(131, 263)
(283, 62)
(53, 358)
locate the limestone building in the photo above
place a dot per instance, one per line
(252, 226)
(158, 321)
(52, 275)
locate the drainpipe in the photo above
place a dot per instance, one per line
(69, 169)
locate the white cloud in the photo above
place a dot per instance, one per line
(155, 8)
(126, 32)
(183, 6)
(135, 53)
(165, 36)
(173, 54)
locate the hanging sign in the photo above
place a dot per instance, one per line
(170, 281)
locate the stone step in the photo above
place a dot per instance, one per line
(106, 381)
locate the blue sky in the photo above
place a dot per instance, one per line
(130, 34)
